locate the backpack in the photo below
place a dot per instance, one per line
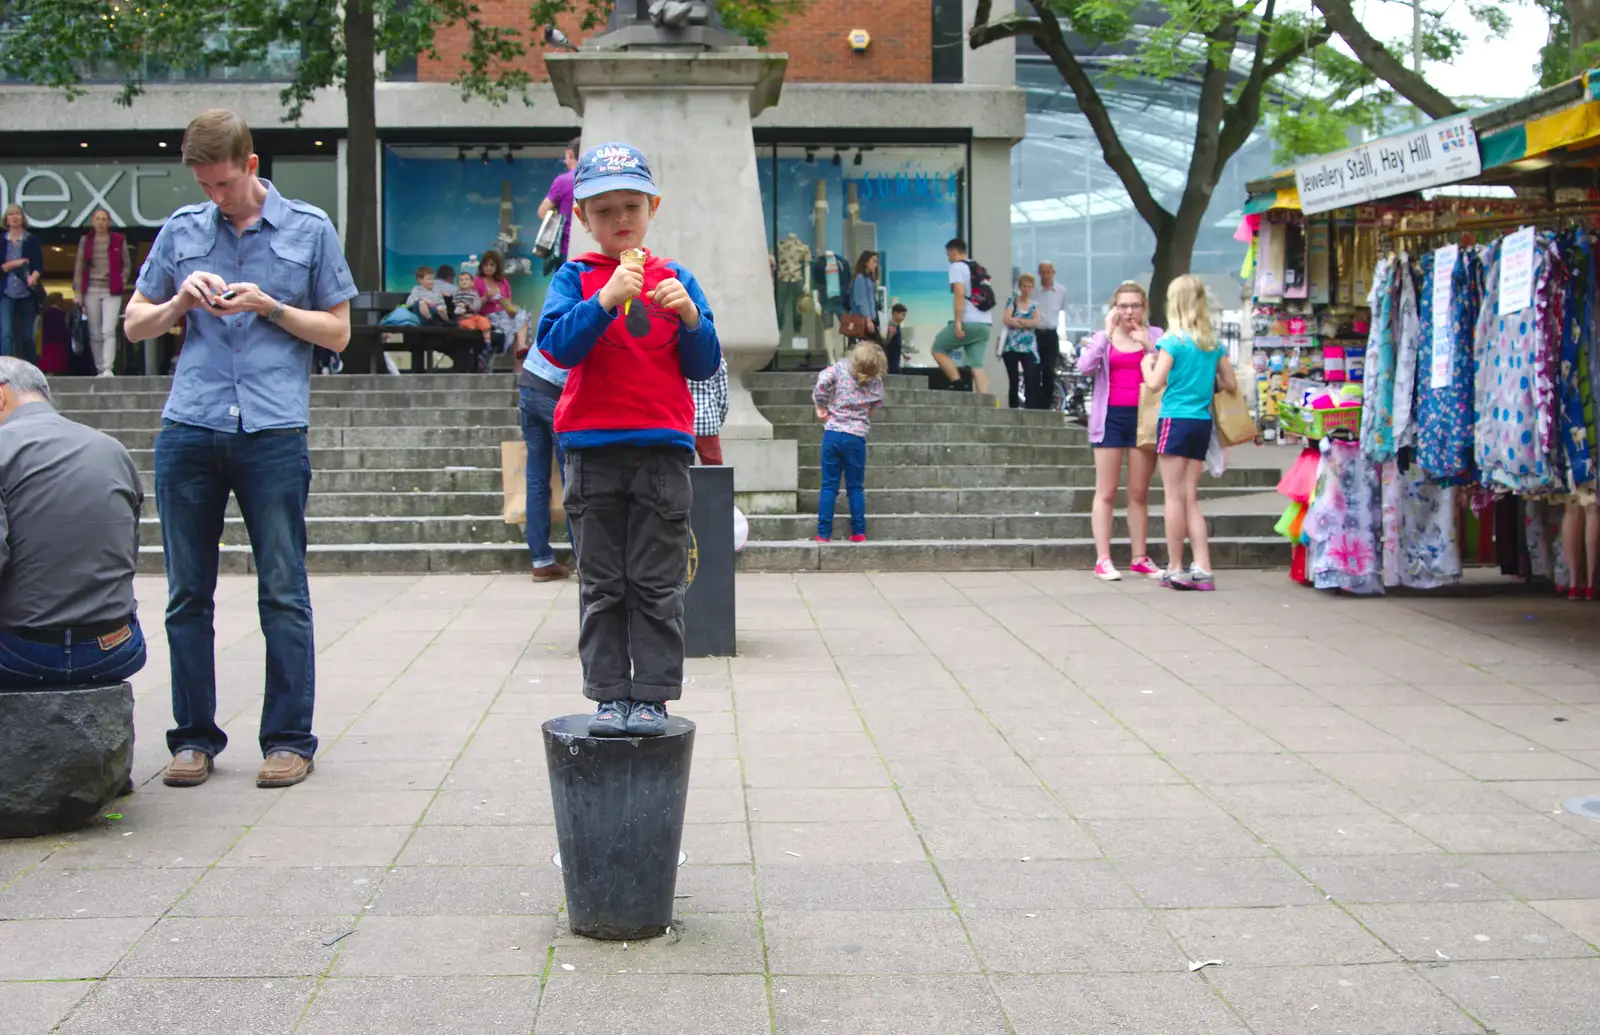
(981, 293)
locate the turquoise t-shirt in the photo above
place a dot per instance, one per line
(1192, 381)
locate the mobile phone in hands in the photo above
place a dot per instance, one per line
(227, 296)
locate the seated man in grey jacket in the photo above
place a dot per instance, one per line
(69, 544)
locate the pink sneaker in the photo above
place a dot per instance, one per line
(1144, 566)
(858, 539)
(1105, 571)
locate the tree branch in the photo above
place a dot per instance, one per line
(1383, 64)
(1244, 114)
(1094, 110)
(984, 32)
(1206, 162)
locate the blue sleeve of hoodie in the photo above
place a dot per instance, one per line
(699, 351)
(569, 324)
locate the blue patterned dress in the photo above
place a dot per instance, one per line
(1445, 416)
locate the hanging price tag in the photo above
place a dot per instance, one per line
(1444, 265)
(1516, 272)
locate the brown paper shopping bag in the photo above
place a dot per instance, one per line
(1235, 426)
(514, 485)
(1149, 415)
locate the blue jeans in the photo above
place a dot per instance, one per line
(539, 432)
(844, 453)
(269, 473)
(16, 327)
(26, 665)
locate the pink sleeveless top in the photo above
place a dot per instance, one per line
(1126, 377)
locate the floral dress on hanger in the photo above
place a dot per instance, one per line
(1510, 365)
(1377, 408)
(1446, 416)
(1408, 330)
(1576, 445)
(1343, 522)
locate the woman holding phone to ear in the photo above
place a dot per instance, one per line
(1113, 356)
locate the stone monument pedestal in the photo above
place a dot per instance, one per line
(689, 111)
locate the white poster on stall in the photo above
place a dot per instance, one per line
(1444, 265)
(1516, 272)
(1433, 155)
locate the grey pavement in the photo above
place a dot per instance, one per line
(961, 804)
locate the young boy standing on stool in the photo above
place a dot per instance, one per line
(633, 329)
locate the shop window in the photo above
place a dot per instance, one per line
(902, 202)
(444, 206)
(949, 42)
(312, 180)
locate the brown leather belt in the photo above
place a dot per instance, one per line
(72, 634)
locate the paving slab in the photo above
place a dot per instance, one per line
(963, 802)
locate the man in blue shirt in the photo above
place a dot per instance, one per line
(260, 281)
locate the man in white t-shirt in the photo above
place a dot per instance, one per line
(1052, 298)
(966, 340)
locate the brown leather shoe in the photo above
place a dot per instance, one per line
(190, 767)
(284, 769)
(551, 573)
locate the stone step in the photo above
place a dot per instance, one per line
(388, 482)
(1025, 475)
(328, 440)
(964, 401)
(954, 433)
(450, 399)
(369, 530)
(796, 556)
(437, 458)
(393, 504)
(77, 386)
(928, 412)
(1054, 500)
(940, 454)
(905, 527)
(336, 417)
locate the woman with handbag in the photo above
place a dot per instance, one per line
(22, 268)
(1019, 347)
(1113, 356)
(859, 322)
(99, 277)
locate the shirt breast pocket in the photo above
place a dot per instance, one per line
(191, 251)
(292, 258)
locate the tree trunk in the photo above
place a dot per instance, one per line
(1175, 241)
(361, 156)
(1583, 20)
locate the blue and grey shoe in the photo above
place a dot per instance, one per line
(610, 719)
(647, 719)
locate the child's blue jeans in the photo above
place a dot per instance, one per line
(847, 454)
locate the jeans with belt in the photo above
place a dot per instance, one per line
(27, 662)
(269, 473)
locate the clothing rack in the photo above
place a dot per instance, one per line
(1555, 214)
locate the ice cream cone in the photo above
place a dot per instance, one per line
(631, 257)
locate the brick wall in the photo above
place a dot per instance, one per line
(901, 50)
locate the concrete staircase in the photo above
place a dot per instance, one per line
(955, 483)
(407, 479)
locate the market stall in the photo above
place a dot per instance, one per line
(1424, 319)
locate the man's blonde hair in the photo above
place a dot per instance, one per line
(1187, 312)
(216, 136)
(867, 362)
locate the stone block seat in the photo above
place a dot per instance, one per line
(64, 753)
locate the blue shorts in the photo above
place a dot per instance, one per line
(1122, 428)
(1177, 436)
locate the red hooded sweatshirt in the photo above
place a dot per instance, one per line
(630, 377)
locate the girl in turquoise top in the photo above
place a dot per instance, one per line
(1187, 365)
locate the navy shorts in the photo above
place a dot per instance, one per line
(1178, 436)
(1122, 428)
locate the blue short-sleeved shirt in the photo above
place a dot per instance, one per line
(245, 371)
(1192, 380)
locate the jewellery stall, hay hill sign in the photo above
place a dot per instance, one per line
(1433, 155)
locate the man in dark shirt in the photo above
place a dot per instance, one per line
(69, 544)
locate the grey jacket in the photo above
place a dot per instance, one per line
(69, 522)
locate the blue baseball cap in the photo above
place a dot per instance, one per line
(609, 167)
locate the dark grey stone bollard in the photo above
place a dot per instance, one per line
(619, 805)
(64, 753)
(708, 602)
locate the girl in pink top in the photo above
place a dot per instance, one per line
(1114, 356)
(495, 290)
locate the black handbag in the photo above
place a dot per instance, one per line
(78, 333)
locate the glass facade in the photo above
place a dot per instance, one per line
(444, 205)
(903, 202)
(1067, 205)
